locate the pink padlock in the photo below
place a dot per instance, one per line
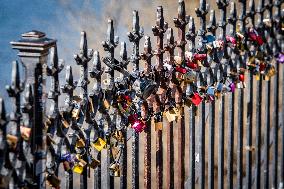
(138, 126)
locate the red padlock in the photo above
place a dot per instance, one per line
(181, 70)
(192, 65)
(199, 57)
(242, 77)
(231, 40)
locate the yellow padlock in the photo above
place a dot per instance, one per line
(12, 141)
(159, 126)
(99, 144)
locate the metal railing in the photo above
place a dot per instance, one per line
(224, 79)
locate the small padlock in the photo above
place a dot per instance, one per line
(114, 170)
(196, 99)
(65, 123)
(99, 144)
(76, 111)
(25, 132)
(12, 141)
(66, 166)
(80, 143)
(79, 165)
(158, 120)
(92, 162)
(170, 117)
(53, 180)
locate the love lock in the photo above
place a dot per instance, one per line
(79, 165)
(158, 120)
(99, 144)
(12, 141)
(25, 132)
(114, 169)
(80, 143)
(92, 162)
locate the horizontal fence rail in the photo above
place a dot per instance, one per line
(207, 114)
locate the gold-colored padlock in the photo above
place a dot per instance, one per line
(257, 77)
(99, 144)
(12, 141)
(118, 135)
(53, 180)
(114, 170)
(75, 113)
(25, 132)
(271, 72)
(159, 126)
(114, 151)
(80, 143)
(106, 104)
(79, 165)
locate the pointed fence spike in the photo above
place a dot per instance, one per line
(84, 44)
(135, 27)
(2, 112)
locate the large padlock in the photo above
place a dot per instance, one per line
(196, 99)
(99, 144)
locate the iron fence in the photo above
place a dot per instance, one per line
(226, 76)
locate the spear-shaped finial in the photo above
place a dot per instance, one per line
(14, 88)
(69, 86)
(212, 23)
(112, 41)
(161, 26)
(190, 35)
(95, 71)
(85, 54)
(201, 12)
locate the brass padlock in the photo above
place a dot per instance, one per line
(114, 170)
(12, 141)
(80, 143)
(170, 117)
(99, 144)
(66, 166)
(53, 180)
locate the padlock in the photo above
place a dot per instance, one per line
(181, 70)
(53, 180)
(106, 104)
(257, 77)
(158, 120)
(199, 57)
(231, 40)
(25, 132)
(12, 141)
(99, 144)
(80, 143)
(210, 91)
(79, 165)
(92, 162)
(232, 87)
(76, 111)
(118, 135)
(138, 126)
(271, 71)
(190, 76)
(114, 170)
(114, 151)
(280, 58)
(196, 99)
(242, 77)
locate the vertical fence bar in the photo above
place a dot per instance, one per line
(68, 88)
(259, 112)
(180, 24)
(95, 73)
(191, 35)
(201, 13)
(169, 48)
(159, 31)
(109, 46)
(123, 156)
(212, 28)
(135, 37)
(222, 5)
(146, 56)
(82, 59)
(275, 117)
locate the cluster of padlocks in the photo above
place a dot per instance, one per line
(90, 122)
